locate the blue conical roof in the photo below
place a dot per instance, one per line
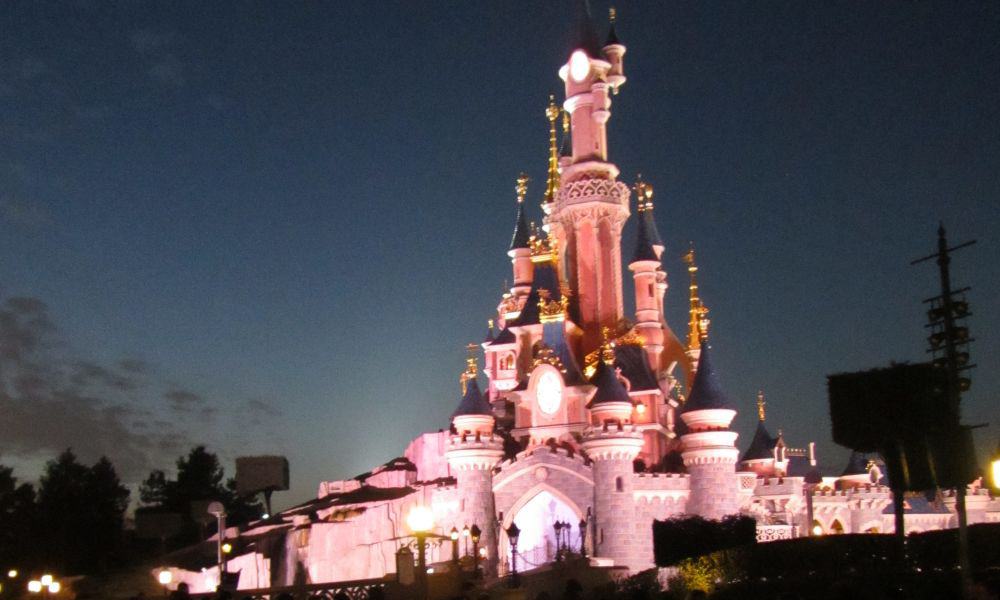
(609, 387)
(521, 232)
(472, 402)
(644, 240)
(762, 444)
(649, 223)
(706, 393)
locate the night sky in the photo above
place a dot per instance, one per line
(273, 227)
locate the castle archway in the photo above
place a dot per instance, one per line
(536, 514)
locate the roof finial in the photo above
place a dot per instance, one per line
(698, 323)
(607, 346)
(522, 187)
(612, 15)
(760, 405)
(643, 194)
(471, 366)
(552, 180)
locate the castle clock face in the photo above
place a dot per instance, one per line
(549, 392)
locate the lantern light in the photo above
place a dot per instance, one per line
(34, 586)
(46, 580)
(420, 519)
(54, 587)
(165, 577)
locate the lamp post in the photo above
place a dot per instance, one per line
(454, 547)
(583, 538)
(217, 510)
(513, 532)
(165, 577)
(475, 533)
(421, 521)
(995, 470)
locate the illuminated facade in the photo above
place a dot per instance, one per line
(575, 428)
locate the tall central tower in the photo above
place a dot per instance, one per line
(592, 205)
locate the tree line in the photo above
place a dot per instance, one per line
(74, 522)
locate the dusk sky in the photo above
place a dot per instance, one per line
(273, 227)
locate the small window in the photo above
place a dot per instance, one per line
(651, 294)
(619, 484)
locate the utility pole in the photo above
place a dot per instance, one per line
(951, 338)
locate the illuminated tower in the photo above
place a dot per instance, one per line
(472, 453)
(646, 271)
(612, 444)
(591, 205)
(709, 447)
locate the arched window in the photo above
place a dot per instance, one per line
(836, 527)
(619, 484)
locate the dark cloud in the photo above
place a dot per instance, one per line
(258, 407)
(183, 400)
(50, 402)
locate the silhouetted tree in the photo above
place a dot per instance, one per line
(17, 521)
(80, 515)
(200, 477)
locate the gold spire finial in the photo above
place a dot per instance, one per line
(612, 15)
(552, 179)
(697, 310)
(760, 405)
(522, 187)
(489, 323)
(471, 366)
(643, 194)
(607, 347)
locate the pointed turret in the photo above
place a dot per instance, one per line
(585, 36)
(706, 393)
(612, 38)
(614, 50)
(552, 178)
(522, 233)
(473, 402)
(609, 387)
(647, 238)
(520, 244)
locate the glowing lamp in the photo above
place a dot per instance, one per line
(54, 587)
(640, 408)
(475, 532)
(265, 516)
(454, 534)
(227, 548)
(46, 580)
(817, 530)
(420, 519)
(482, 553)
(12, 573)
(165, 577)
(995, 469)
(34, 586)
(465, 531)
(579, 65)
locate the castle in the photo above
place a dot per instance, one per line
(576, 428)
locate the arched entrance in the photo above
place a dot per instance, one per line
(536, 515)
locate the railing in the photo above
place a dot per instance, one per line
(366, 589)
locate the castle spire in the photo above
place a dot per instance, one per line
(471, 368)
(698, 313)
(760, 405)
(647, 239)
(552, 179)
(521, 231)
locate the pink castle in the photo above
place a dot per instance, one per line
(576, 429)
